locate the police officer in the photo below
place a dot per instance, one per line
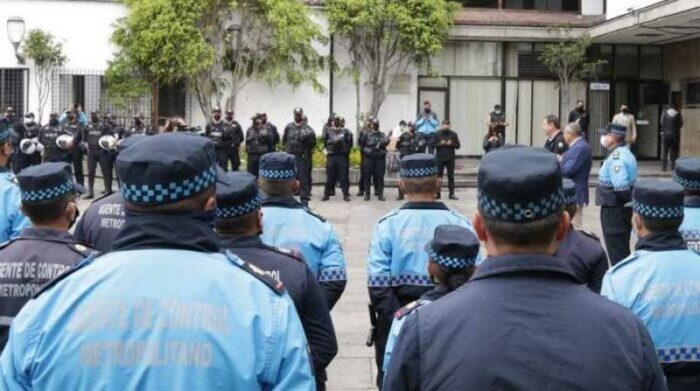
(687, 174)
(497, 123)
(101, 222)
(239, 224)
(18, 130)
(452, 257)
(48, 137)
(299, 140)
(258, 141)
(237, 139)
(221, 134)
(445, 142)
(137, 127)
(12, 220)
(76, 148)
(30, 151)
(523, 321)
(581, 250)
(270, 128)
(396, 265)
(657, 282)
(93, 132)
(366, 128)
(164, 309)
(45, 250)
(373, 144)
(551, 125)
(409, 143)
(615, 183)
(289, 224)
(338, 141)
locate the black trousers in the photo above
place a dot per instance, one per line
(222, 158)
(253, 165)
(235, 159)
(337, 170)
(428, 138)
(304, 173)
(373, 171)
(57, 156)
(361, 183)
(76, 158)
(617, 228)
(106, 161)
(450, 165)
(671, 145)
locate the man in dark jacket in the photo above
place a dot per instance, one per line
(576, 165)
(221, 134)
(299, 139)
(523, 322)
(551, 126)
(373, 145)
(445, 142)
(579, 115)
(235, 143)
(671, 124)
(258, 141)
(410, 142)
(338, 142)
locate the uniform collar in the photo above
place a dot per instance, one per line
(141, 232)
(662, 241)
(51, 234)
(439, 291)
(555, 135)
(425, 205)
(284, 202)
(241, 241)
(521, 264)
(692, 201)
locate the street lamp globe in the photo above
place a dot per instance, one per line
(15, 30)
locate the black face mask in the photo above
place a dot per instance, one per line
(229, 118)
(427, 110)
(53, 121)
(137, 122)
(217, 117)
(264, 121)
(94, 119)
(71, 119)
(298, 119)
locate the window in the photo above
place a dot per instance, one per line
(12, 89)
(626, 61)
(605, 53)
(650, 62)
(691, 89)
(543, 5)
(480, 3)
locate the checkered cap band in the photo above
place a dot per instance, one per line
(418, 172)
(570, 200)
(400, 280)
(609, 185)
(522, 211)
(451, 262)
(277, 174)
(229, 212)
(47, 194)
(658, 212)
(686, 183)
(4, 134)
(332, 275)
(677, 354)
(166, 193)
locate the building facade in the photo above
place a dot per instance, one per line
(651, 49)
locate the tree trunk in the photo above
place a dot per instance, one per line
(154, 106)
(358, 106)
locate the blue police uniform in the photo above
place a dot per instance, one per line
(615, 183)
(101, 222)
(523, 321)
(289, 224)
(687, 174)
(13, 220)
(454, 248)
(165, 309)
(38, 254)
(238, 196)
(396, 264)
(658, 283)
(582, 250)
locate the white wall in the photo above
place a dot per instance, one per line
(592, 7)
(620, 7)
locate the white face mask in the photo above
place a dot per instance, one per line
(604, 142)
(497, 111)
(28, 120)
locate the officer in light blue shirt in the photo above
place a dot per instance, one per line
(396, 264)
(289, 224)
(427, 124)
(615, 183)
(164, 310)
(687, 174)
(12, 221)
(660, 282)
(451, 262)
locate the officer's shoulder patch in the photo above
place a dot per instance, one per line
(314, 214)
(288, 252)
(407, 309)
(590, 235)
(616, 155)
(274, 284)
(82, 250)
(65, 274)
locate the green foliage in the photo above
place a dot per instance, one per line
(320, 158)
(47, 54)
(385, 37)
(125, 86)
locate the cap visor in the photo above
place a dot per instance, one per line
(80, 189)
(222, 176)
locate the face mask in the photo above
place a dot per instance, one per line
(137, 122)
(229, 119)
(94, 119)
(604, 142)
(53, 122)
(217, 117)
(427, 110)
(624, 111)
(28, 121)
(497, 112)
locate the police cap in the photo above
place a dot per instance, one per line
(453, 247)
(658, 199)
(47, 181)
(687, 173)
(418, 165)
(569, 188)
(618, 130)
(278, 166)
(520, 185)
(236, 195)
(129, 141)
(166, 168)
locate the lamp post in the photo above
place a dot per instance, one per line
(15, 33)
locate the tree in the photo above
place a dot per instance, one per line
(568, 60)
(125, 85)
(47, 54)
(385, 37)
(158, 43)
